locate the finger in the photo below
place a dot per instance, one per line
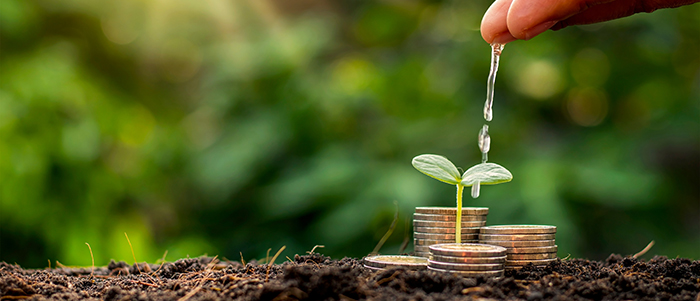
(528, 18)
(494, 28)
(618, 9)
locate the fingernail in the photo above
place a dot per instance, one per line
(535, 30)
(504, 38)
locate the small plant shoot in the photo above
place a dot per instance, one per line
(442, 169)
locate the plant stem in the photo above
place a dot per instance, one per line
(458, 221)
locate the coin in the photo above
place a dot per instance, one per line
(448, 217)
(445, 230)
(519, 243)
(453, 210)
(441, 236)
(386, 261)
(427, 242)
(536, 262)
(487, 237)
(465, 266)
(531, 256)
(533, 250)
(519, 229)
(476, 225)
(472, 274)
(456, 259)
(467, 250)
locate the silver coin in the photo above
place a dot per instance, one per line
(486, 237)
(518, 243)
(448, 217)
(455, 259)
(467, 250)
(471, 274)
(385, 261)
(442, 236)
(441, 224)
(465, 266)
(427, 242)
(537, 262)
(445, 230)
(533, 250)
(453, 210)
(531, 256)
(519, 229)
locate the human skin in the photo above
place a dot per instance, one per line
(509, 20)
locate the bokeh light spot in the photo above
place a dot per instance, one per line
(539, 80)
(587, 107)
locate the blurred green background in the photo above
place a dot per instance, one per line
(225, 126)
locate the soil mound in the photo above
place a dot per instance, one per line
(316, 277)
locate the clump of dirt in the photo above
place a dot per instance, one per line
(317, 277)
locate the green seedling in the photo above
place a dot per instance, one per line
(441, 169)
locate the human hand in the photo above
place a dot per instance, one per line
(509, 20)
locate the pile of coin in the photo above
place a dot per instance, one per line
(467, 259)
(525, 243)
(436, 225)
(382, 262)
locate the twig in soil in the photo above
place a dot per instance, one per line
(382, 281)
(645, 250)
(144, 283)
(290, 260)
(49, 263)
(60, 265)
(92, 271)
(267, 257)
(567, 257)
(269, 265)
(314, 249)
(132, 253)
(201, 283)
(242, 261)
(388, 232)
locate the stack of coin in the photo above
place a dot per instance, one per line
(467, 259)
(525, 243)
(436, 225)
(382, 262)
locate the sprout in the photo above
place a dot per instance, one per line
(441, 169)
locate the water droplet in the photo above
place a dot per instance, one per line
(484, 143)
(496, 50)
(476, 189)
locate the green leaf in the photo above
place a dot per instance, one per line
(437, 167)
(486, 174)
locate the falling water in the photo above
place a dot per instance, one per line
(495, 57)
(484, 143)
(475, 189)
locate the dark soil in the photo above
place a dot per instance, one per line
(316, 277)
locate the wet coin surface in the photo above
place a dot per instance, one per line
(455, 259)
(447, 217)
(476, 225)
(453, 210)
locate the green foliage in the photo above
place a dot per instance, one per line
(486, 174)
